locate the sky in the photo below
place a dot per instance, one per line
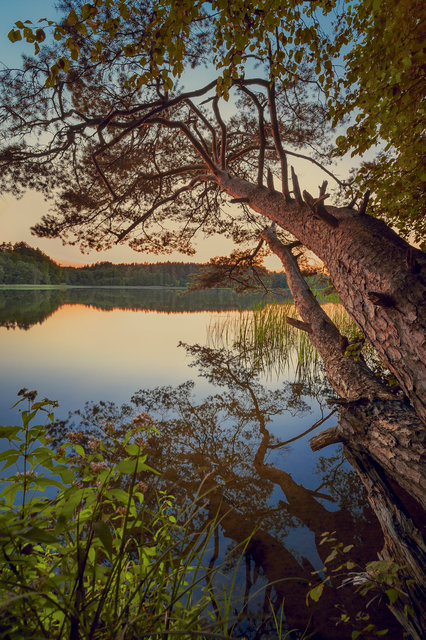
(17, 216)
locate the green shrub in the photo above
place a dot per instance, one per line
(83, 556)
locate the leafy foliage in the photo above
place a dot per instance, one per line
(379, 579)
(380, 88)
(384, 90)
(106, 162)
(84, 552)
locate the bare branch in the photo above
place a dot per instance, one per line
(157, 105)
(351, 379)
(223, 130)
(178, 124)
(298, 324)
(296, 189)
(208, 124)
(277, 140)
(173, 196)
(262, 136)
(322, 188)
(103, 177)
(318, 208)
(364, 203)
(270, 181)
(325, 438)
(304, 433)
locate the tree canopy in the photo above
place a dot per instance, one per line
(139, 46)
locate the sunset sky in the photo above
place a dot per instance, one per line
(17, 216)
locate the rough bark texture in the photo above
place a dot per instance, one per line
(393, 436)
(373, 420)
(372, 270)
(385, 437)
(404, 544)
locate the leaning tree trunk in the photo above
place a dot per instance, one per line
(379, 277)
(383, 434)
(404, 544)
(381, 424)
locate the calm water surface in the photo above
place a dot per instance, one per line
(228, 424)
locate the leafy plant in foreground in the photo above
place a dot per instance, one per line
(82, 555)
(378, 579)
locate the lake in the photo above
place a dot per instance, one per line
(225, 421)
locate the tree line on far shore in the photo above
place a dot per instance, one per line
(22, 264)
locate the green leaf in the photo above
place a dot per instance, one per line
(128, 465)
(79, 449)
(392, 594)
(72, 18)
(133, 449)
(124, 12)
(9, 493)
(102, 531)
(316, 592)
(14, 35)
(331, 556)
(120, 495)
(298, 56)
(65, 473)
(40, 35)
(36, 534)
(86, 11)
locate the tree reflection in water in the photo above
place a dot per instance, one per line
(222, 444)
(23, 308)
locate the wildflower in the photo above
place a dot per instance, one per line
(94, 444)
(29, 395)
(75, 436)
(28, 474)
(143, 419)
(98, 466)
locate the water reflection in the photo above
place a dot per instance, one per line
(224, 443)
(23, 308)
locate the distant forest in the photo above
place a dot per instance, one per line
(22, 264)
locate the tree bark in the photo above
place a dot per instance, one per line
(404, 544)
(379, 277)
(371, 419)
(384, 436)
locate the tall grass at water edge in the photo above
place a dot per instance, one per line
(265, 340)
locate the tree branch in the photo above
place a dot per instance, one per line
(177, 124)
(325, 438)
(262, 136)
(277, 140)
(351, 380)
(158, 204)
(317, 207)
(364, 204)
(296, 189)
(208, 124)
(223, 130)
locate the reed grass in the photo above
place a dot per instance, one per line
(266, 341)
